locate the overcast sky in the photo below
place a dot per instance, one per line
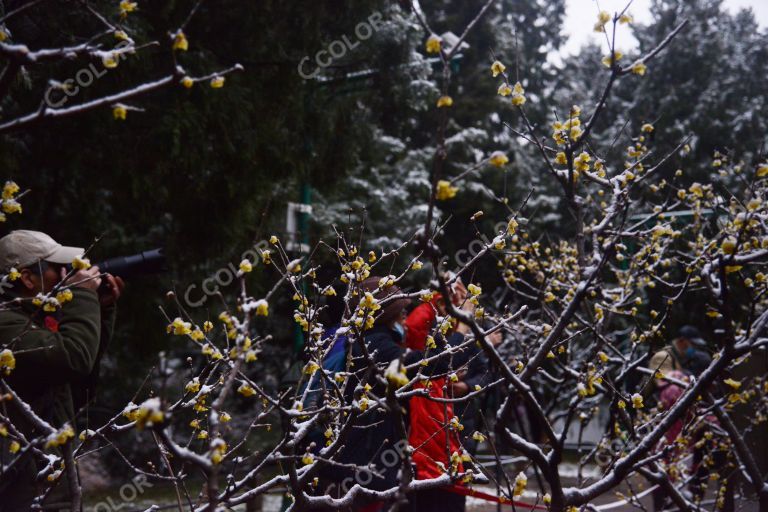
(582, 14)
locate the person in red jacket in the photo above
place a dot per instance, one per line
(428, 434)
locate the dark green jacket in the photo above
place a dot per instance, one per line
(57, 362)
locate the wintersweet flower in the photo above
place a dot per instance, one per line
(13, 274)
(7, 361)
(637, 401)
(217, 82)
(647, 128)
(762, 170)
(187, 82)
(445, 190)
(603, 17)
(497, 68)
(729, 245)
(64, 296)
(625, 19)
(14, 447)
(59, 437)
(504, 90)
(245, 266)
(207, 326)
(521, 481)
(180, 41)
(179, 327)
(119, 112)
(246, 390)
(109, 61)
(444, 101)
(10, 189)
(518, 95)
(639, 68)
(433, 44)
(560, 158)
(734, 384)
(474, 289)
(193, 386)
(617, 56)
(498, 159)
(81, 263)
(127, 6)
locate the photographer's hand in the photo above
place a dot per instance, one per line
(114, 288)
(88, 278)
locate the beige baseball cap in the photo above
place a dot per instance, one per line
(22, 248)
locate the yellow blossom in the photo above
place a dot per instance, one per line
(262, 308)
(246, 390)
(617, 55)
(560, 158)
(696, 189)
(64, 296)
(207, 326)
(119, 112)
(520, 483)
(59, 437)
(498, 159)
(7, 361)
(109, 61)
(180, 41)
(445, 190)
(638, 68)
(518, 95)
(603, 17)
(127, 6)
(179, 327)
(13, 274)
(762, 170)
(735, 384)
(647, 128)
(193, 386)
(217, 82)
(504, 90)
(729, 245)
(497, 68)
(245, 266)
(625, 19)
(14, 447)
(637, 401)
(433, 44)
(10, 189)
(444, 101)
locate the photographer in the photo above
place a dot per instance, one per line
(57, 347)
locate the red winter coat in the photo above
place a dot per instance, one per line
(428, 434)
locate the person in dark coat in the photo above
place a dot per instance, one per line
(56, 353)
(377, 441)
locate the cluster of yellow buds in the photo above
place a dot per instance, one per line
(59, 437)
(568, 130)
(9, 204)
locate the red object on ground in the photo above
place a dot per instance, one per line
(428, 434)
(466, 491)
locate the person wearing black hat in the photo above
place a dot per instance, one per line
(686, 353)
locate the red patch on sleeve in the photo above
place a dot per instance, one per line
(51, 324)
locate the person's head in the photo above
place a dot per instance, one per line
(393, 313)
(37, 257)
(689, 339)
